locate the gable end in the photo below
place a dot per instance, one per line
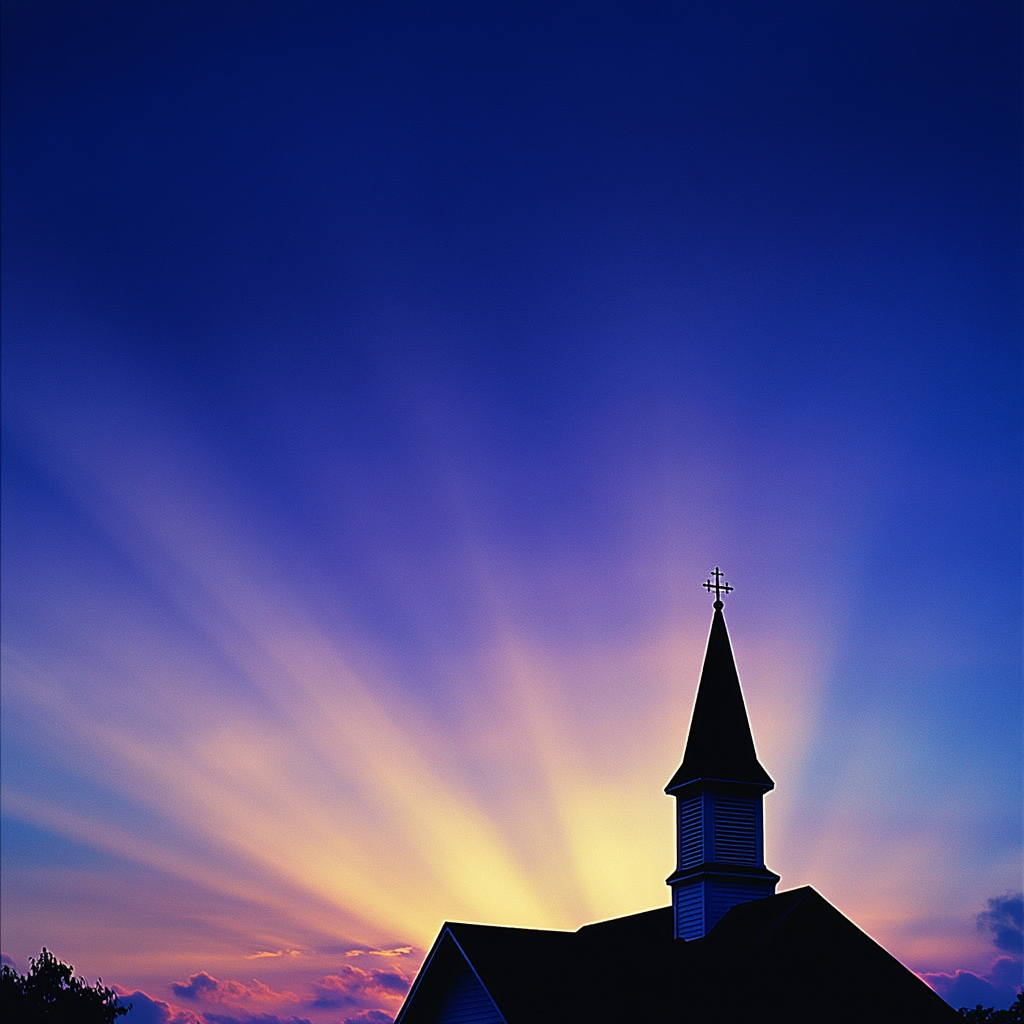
(448, 990)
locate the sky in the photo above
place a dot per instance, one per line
(382, 380)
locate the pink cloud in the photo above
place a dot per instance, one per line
(147, 1010)
(400, 951)
(252, 1018)
(998, 987)
(358, 989)
(204, 988)
(368, 994)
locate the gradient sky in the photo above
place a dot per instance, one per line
(381, 380)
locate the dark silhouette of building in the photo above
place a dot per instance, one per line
(727, 951)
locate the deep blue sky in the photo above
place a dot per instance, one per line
(467, 339)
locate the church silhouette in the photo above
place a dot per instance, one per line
(728, 950)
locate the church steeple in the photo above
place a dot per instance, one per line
(719, 789)
(719, 745)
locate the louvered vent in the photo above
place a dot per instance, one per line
(735, 831)
(691, 833)
(689, 907)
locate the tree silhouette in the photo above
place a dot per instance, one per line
(51, 994)
(990, 1015)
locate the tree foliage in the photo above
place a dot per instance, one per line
(990, 1015)
(51, 994)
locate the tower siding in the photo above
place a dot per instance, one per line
(723, 897)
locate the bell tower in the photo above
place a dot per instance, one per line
(719, 790)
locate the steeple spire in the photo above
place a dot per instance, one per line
(719, 745)
(719, 789)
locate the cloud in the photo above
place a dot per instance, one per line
(203, 988)
(400, 951)
(354, 988)
(260, 954)
(1004, 919)
(965, 988)
(998, 987)
(199, 986)
(147, 1010)
(7, 961)
(253, 1018)
(363, 992)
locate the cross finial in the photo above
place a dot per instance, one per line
(720, 587)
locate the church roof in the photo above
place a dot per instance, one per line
(791, 957)
(719, 744)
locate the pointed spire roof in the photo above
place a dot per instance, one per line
(719, 745)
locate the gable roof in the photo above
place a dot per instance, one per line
(788, 958)
(517, 967)
(449, 986)
(809, 962)
(719, 744)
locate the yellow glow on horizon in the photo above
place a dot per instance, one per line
(314, 792)
(333, 797)
(327, 793)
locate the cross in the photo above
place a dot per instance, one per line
(719, 587)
